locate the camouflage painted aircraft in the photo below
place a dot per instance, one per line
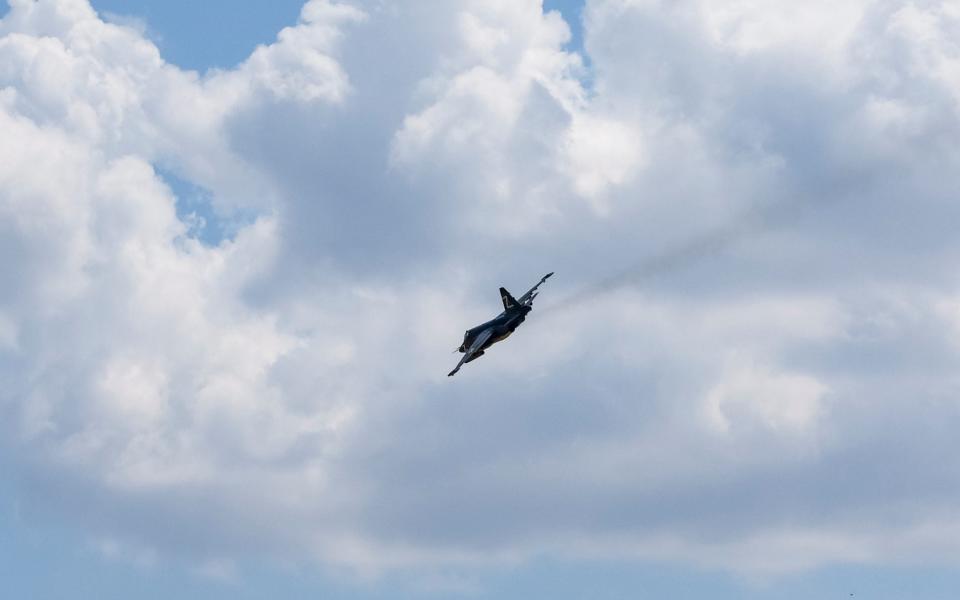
(477, 340)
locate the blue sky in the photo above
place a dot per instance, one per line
(199, 36)
(253, 405)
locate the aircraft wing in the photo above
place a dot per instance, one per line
(459, 364)
(475, 348)
(528, 297)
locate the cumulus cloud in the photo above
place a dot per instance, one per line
(773, 399)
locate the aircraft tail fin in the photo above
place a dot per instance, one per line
(508, 300)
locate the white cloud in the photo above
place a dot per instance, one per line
(300, 65)
(780, 401)
(602, 153)
(283, 393)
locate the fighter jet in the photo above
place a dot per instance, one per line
(477, 340)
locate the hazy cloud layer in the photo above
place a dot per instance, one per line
(747, 358)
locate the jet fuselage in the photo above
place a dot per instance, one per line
(501, 327)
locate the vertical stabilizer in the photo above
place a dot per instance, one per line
(508, 300)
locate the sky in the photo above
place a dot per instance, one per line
(240, 240)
